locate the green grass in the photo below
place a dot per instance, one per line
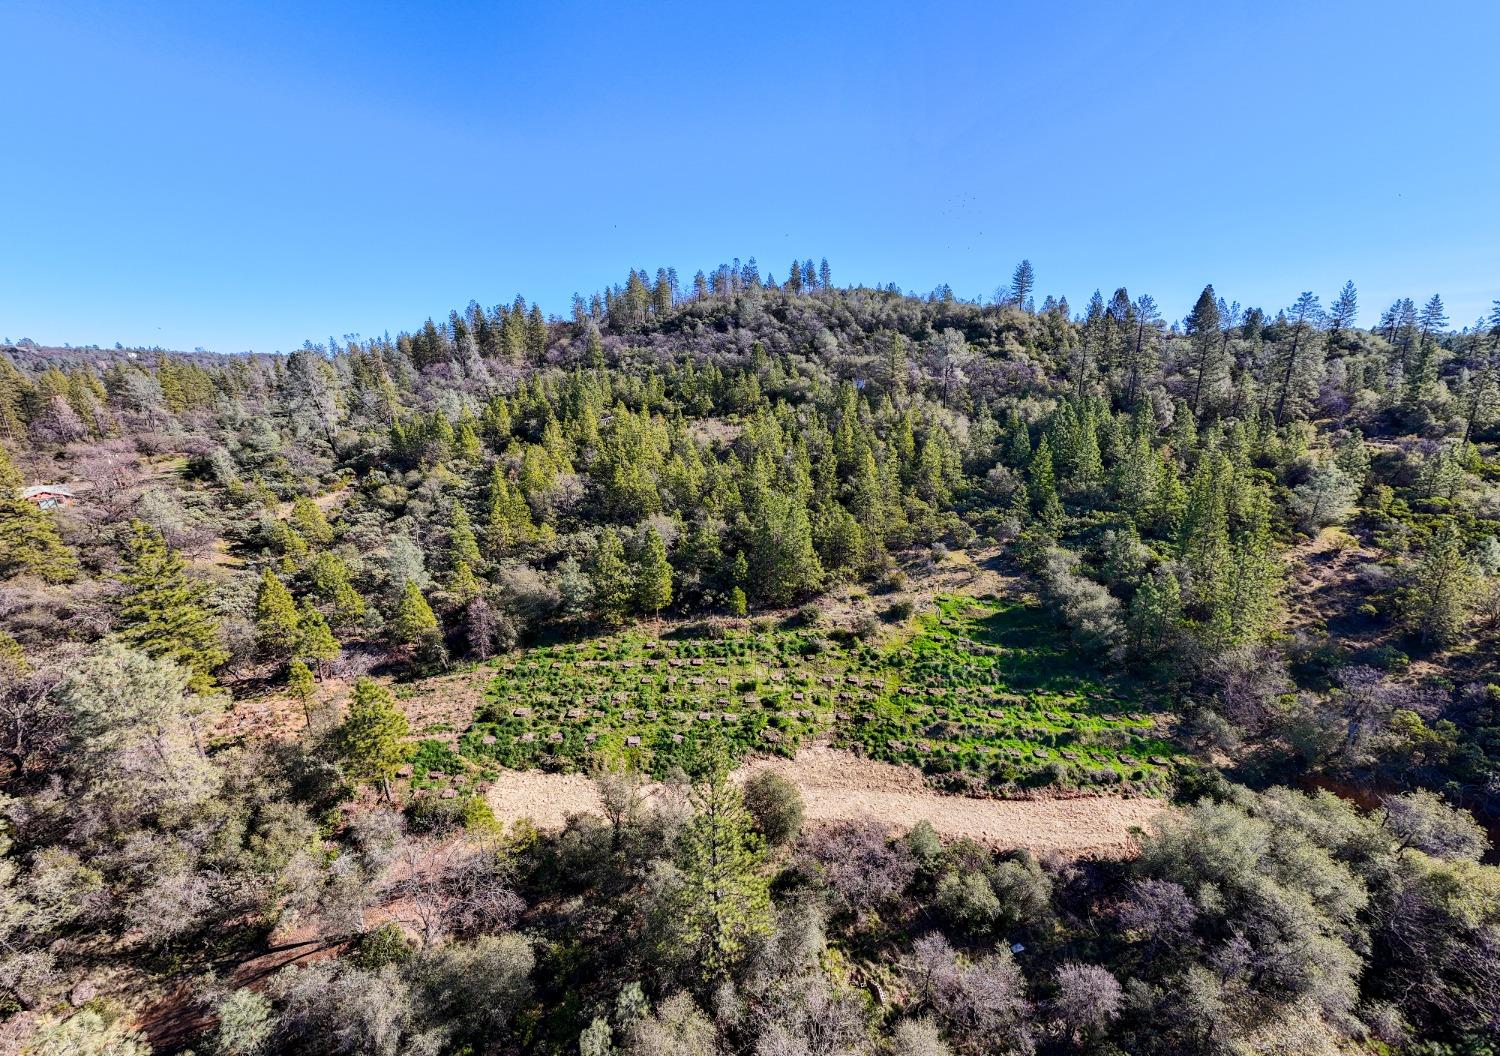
(979, 695)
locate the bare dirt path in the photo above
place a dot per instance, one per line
(837, 785)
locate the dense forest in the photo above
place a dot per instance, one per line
(1276, 531)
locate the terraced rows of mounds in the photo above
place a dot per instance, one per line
(978, 696)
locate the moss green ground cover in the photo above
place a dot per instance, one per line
(977, 694)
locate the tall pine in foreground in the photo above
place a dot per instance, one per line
(163, 612)
(372, 739)
(724, 902)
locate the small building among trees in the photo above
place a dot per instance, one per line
(49, 496)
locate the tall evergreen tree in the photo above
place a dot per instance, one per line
(413, 622)
(315, 641)
(1209, 367)
(614, 587)
(164, 613)
(724, 903)
(1022, 282)
(1342, 315)
(1042, 485)
(1299, 358)
(276, 621)
(653, 574)
(372, 738)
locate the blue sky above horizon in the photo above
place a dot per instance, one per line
(248, 176)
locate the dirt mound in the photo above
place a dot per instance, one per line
(837, 785)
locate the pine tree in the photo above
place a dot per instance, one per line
(1022, 281)
(372, 738)
(1438, 601)
(302, 687)
(1298, 356)
(1433, 318)
(613, 583)
(308, 518)
(724, 902)
(1135, 478)
(653, 574)
(29, 542)
(1209, 367)
(784, 562)
(276, 620)
(1042, 486)
(1250, 595)
(466, 444)
(1204, 541)
(163, 613)
(413, 622)
(508, 518)
(1341, 317)
(330, 578)
(1155, 615)
(463, 548)
(315, 641)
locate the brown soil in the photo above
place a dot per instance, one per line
(838, 785)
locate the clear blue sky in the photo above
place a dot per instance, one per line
(247, 176)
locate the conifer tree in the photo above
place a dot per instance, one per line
(508, 518)
(1042, 486)
(1171, 498)
(1250, 594)
(724, 902)
(1088, 466)
(1155, 615)
(462, 582)
(1341, 316)
(309, 521)
(1209, 366)
(413, 622)
(163, 613)
(463, 548)
(613, 583)
(1204, 534)
(315, 641)
(302, 687)
(1439, 598)
(276, 620)
(1304, 317)
(372, 738)
(653, 574)
(330, 578)
(1136, 476)
(466, 444)
(1022, 282)
(784, 563)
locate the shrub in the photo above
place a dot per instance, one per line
(968, 902)
(378, 947)
(775, 805)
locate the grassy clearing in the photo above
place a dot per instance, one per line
(978, 695)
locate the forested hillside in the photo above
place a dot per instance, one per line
(1247, 561)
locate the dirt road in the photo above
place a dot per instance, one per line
(836, 785)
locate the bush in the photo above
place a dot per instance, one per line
(775, 805)
(900, 611)
(968, 902)
(378, 947)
